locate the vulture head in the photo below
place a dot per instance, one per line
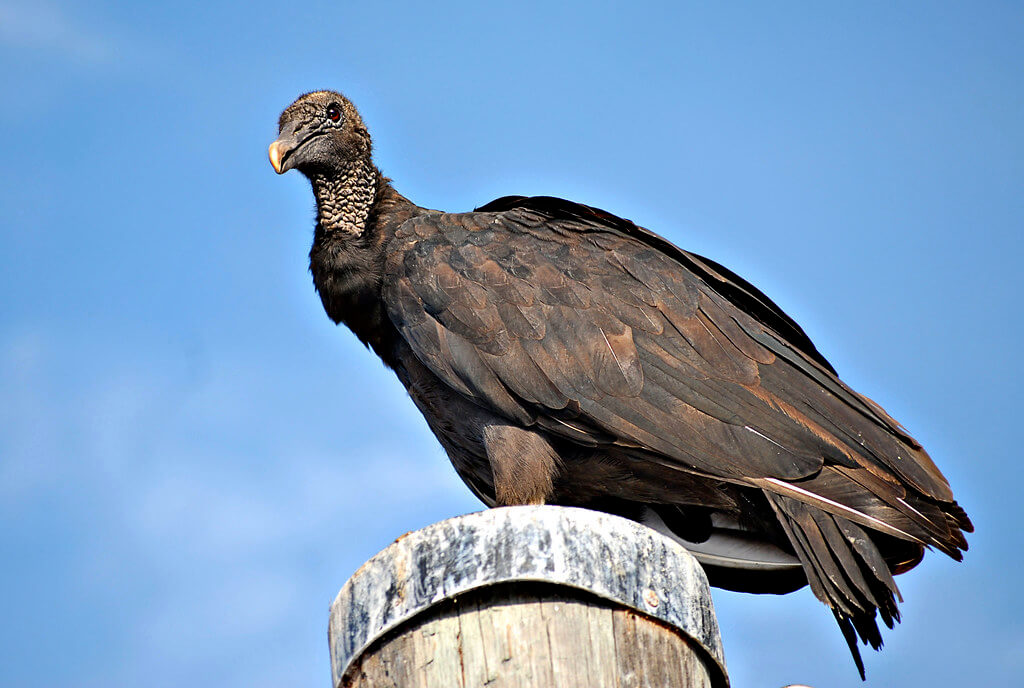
(321, 133)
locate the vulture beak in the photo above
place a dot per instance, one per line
(278, 151)
(281, 150)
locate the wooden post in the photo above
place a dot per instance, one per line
(528, 597)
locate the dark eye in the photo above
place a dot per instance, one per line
(333, 112)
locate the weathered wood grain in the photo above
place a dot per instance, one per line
(528, 596)
(531, 636)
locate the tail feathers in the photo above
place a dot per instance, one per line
(845, 570)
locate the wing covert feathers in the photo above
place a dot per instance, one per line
(561, 316)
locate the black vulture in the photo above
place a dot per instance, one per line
(564, 355)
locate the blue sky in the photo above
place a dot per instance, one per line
(193, 459)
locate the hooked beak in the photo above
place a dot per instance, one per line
(279, 152)
(275, 156)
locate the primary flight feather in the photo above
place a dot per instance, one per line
(563, 355)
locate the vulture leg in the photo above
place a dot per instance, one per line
(523, 463)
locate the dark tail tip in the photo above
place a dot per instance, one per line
(846, 626)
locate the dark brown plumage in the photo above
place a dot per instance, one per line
(565, 355)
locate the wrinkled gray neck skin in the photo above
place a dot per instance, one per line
(344, 199)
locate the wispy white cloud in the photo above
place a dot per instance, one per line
(198, 496)
(42, 26)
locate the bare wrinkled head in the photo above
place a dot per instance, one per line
(319, 133)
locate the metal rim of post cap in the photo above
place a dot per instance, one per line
(604, 555)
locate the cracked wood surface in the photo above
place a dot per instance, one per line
(531, 635)
(528, 596)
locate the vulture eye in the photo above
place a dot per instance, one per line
(333, 112)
